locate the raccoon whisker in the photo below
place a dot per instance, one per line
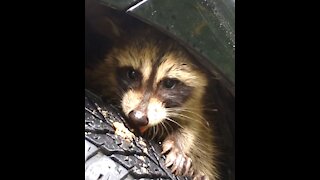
(173, 111)
(198, 115)
(187, 117)
(212, 109)
(190, 118)
(193, 109)
(169, 126)
(157, 129)
(162, 129)
(164, 126)
(179, 108)
(153, 132)
(175, 122)
(150, 132)
(201, 108)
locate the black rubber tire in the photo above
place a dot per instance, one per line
(109, 156)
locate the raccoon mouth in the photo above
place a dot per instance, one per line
(139, 119)
(143, 129)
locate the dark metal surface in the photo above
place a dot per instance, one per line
(204, 26)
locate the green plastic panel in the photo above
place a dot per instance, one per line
(206, 26)
(119, 4)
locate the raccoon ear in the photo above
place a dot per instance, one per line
(102, 20)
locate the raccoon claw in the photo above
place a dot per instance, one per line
(167, 146)
(179, 162)
(200, 177)
(188, 167)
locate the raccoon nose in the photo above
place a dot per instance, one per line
(139, 118)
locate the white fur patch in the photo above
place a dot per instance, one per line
(156, 112)
(130, 101)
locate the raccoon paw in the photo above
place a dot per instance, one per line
(180, 163)
(200, 177)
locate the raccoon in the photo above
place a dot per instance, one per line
(161, 91)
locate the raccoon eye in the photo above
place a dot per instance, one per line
(132, 74)
(170, 83)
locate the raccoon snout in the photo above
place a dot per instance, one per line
(138, 118)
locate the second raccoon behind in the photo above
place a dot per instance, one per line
(162, 92)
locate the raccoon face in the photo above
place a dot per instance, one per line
(154, 81)
(146, 102)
